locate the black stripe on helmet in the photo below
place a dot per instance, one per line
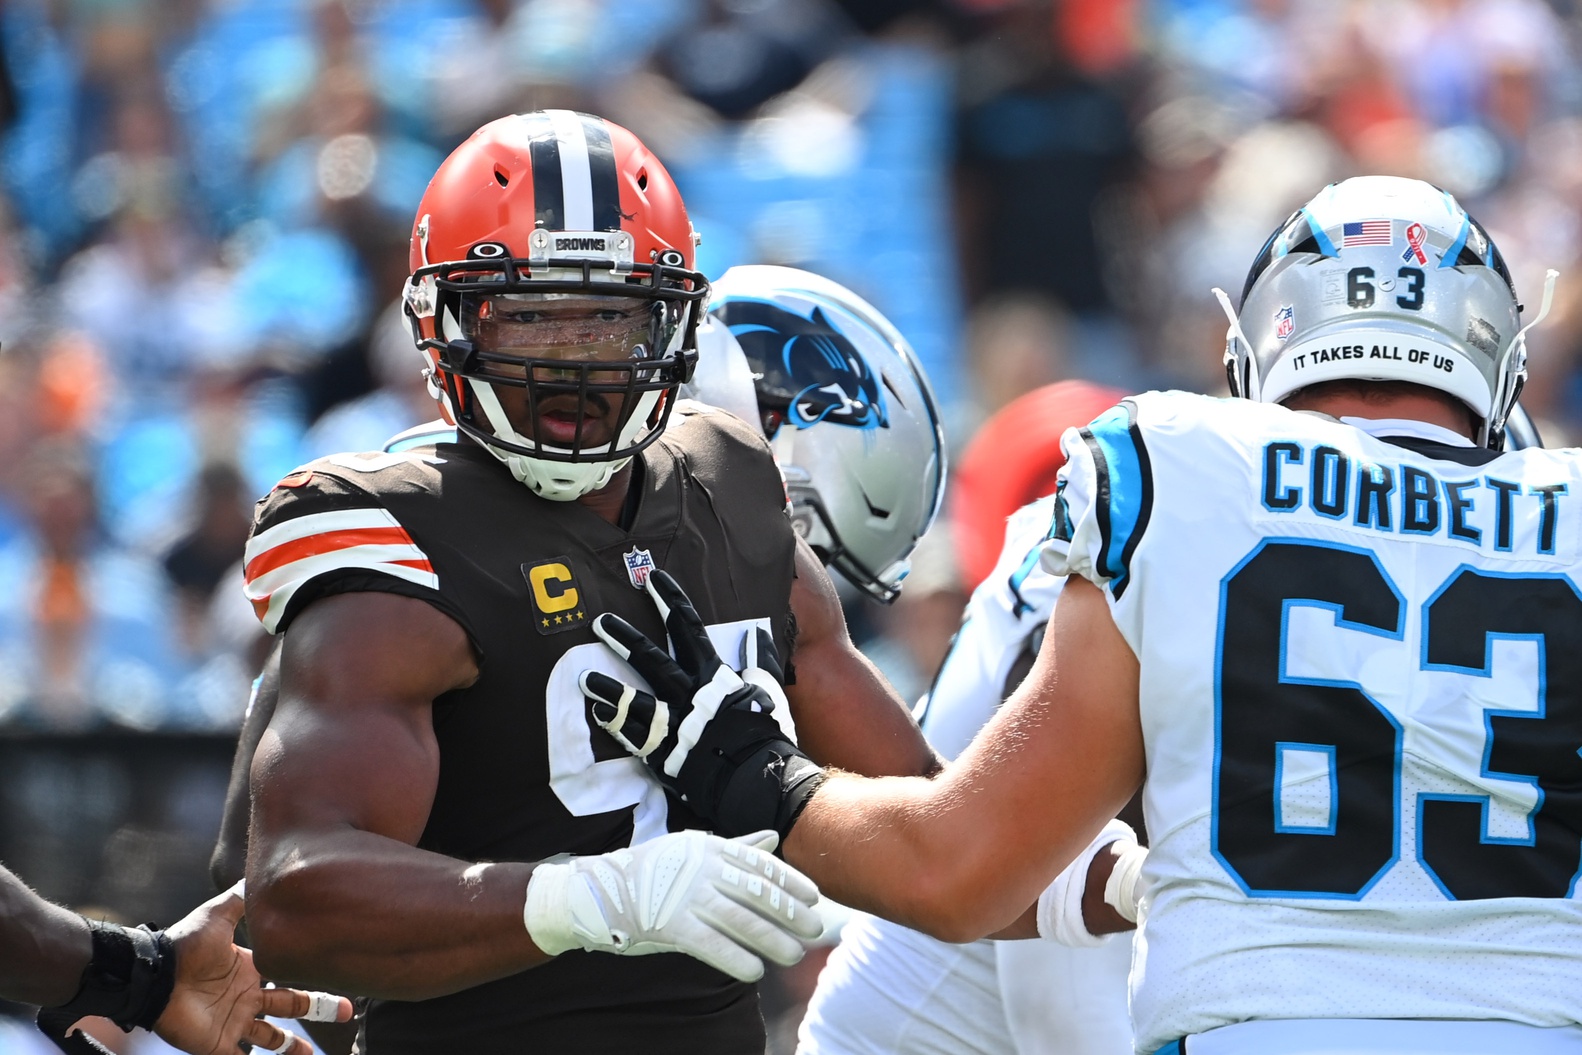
(602, 174)
(549, 195)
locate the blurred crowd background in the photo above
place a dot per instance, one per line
(204, 209)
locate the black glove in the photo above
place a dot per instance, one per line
(705, 731)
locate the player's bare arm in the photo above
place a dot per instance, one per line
(342, 783)
(190, 984)
(847, 715)
(228, 863)
(43, 947)
(1059, 759)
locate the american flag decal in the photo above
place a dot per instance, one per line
(1368, 232)
(281, 558)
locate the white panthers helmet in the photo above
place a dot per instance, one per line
(1381, 278)
(844, 403)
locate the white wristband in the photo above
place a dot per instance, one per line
(1120, 891)
(1060, 905)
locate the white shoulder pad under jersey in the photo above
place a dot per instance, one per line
(1361, 699)
(1003, 626)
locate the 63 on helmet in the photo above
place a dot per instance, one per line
(846, 407)
(1381, 278)
(553, 293)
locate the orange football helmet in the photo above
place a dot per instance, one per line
(551, 204)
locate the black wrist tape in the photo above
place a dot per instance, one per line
(802, 780)
(767, 789)
(128, 980)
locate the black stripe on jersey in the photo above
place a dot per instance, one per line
(1444, 452)
(549, 192)
(602, 174)
(1101, 495)
(1147, 500)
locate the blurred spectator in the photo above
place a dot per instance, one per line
(1015, 343)
(915, 632)
(335, 147)
(133, 161)
(222, 514)
(39, 145)
(1039, 141)
(1011, 461)
(144, 293)
(477, 74)
(84, 631)
(401, 400)
(737, 56)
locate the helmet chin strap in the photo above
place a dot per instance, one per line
(1544, 305)
(555, 480)
(1248, 382)
(1512, 378)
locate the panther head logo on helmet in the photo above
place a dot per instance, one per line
(864, 458)
(810, 369)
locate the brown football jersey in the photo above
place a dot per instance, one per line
(524, 773)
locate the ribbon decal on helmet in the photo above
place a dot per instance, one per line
(1416, 235)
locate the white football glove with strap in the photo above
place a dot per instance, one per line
(727, 902)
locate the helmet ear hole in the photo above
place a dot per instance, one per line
(502, 177)
(642, 179)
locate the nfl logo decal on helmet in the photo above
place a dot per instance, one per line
(1284, 322)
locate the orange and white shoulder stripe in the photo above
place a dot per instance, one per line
(281, 558)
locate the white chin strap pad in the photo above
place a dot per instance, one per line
(559, 481)
(555, 480)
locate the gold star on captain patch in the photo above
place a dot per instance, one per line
(579, 615)
(557, 620)
(546, 622)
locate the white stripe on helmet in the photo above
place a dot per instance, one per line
(575, 178)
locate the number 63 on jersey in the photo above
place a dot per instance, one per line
(1319, 737)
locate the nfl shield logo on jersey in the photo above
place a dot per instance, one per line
(639, 562)
(1284, 322)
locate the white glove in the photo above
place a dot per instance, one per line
(1060, 905)
(725, 901)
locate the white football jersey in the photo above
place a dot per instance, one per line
(1001, 629)
(1361, 699)
(889, 990)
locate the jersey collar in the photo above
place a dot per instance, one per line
(1385, 428)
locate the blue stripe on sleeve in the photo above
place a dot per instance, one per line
(1124, 490)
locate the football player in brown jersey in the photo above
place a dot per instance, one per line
(431, 742)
